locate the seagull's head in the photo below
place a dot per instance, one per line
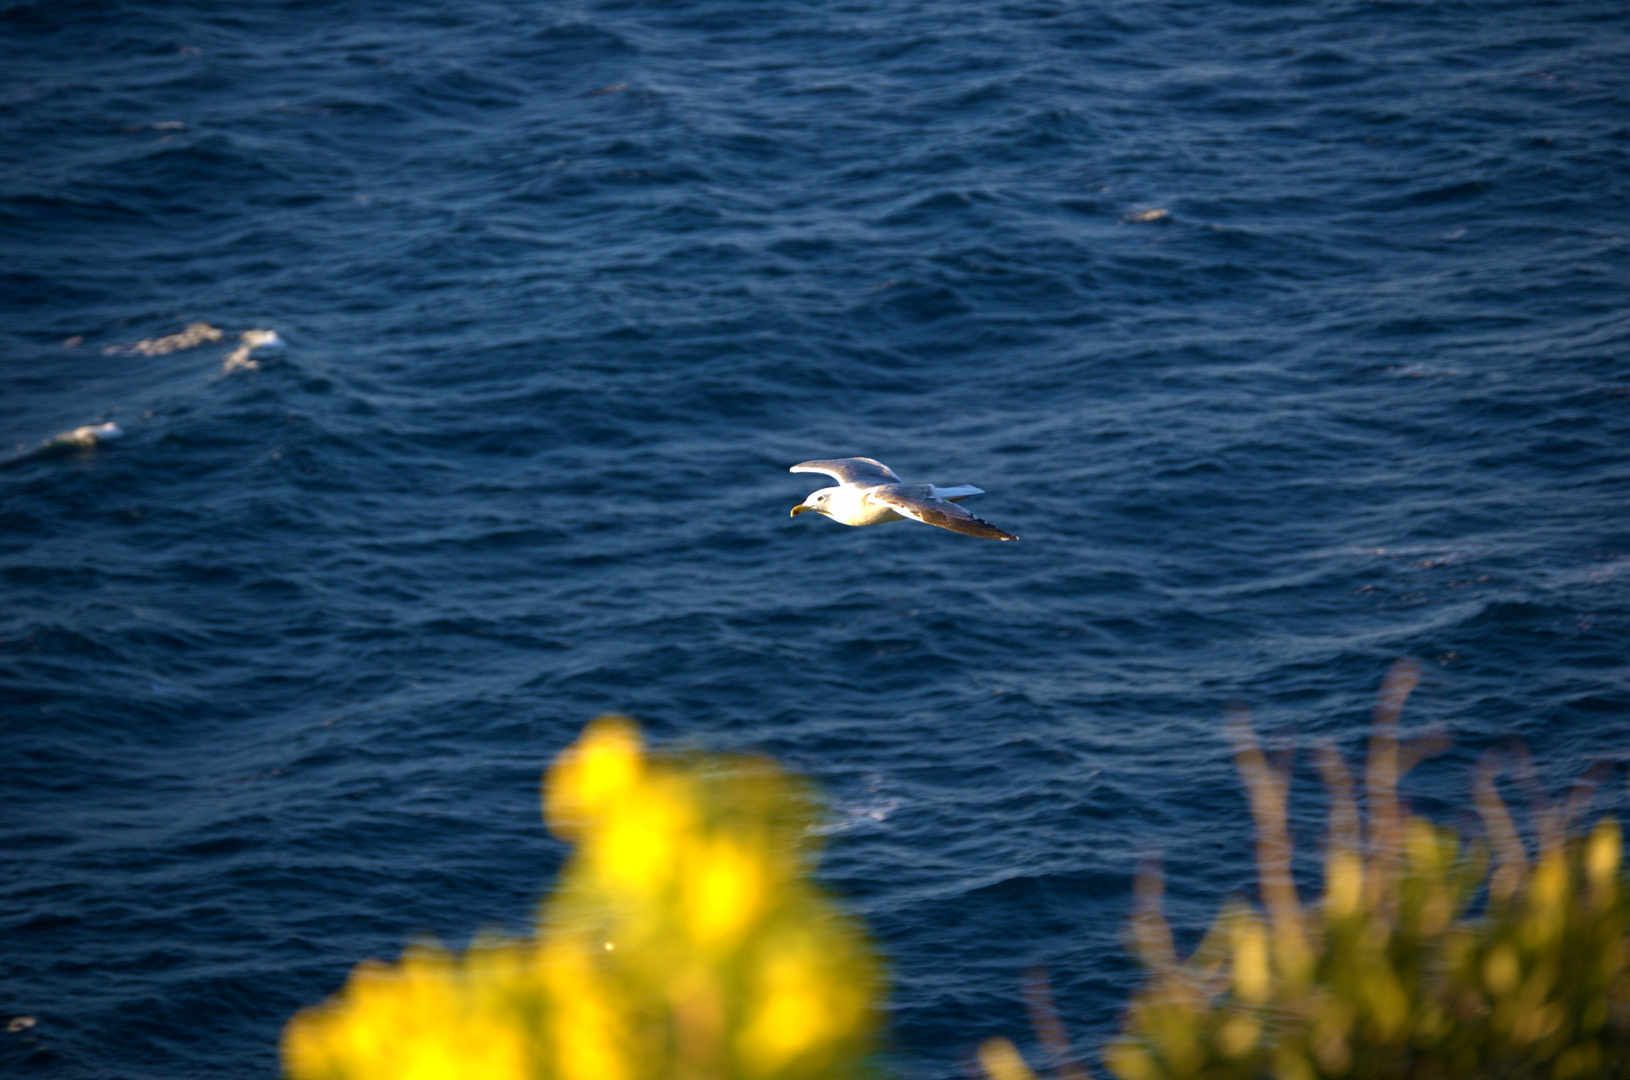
(817, 501)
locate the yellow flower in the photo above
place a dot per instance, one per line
(724, 890)
(1252, 976)
(592, 775)
(1602, 853)
(588, 1023)
(681, 943)
(417, 1021)
(1344, 883)
(636, 844)
(1001, 1061)
(799, 1007)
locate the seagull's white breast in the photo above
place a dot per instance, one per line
(849, 505)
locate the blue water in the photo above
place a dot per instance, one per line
(566, 287)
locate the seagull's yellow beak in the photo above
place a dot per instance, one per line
(800, 508)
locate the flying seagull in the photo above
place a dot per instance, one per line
(868, 493)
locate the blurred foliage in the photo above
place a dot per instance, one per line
(1426, 958)
(684, 942)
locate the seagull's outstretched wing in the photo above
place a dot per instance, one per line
(851, 470)
(921, 506)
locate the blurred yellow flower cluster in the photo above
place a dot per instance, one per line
(684, 942)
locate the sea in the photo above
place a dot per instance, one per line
(1293, 338)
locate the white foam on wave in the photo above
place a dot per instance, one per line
(848, 815)
(89, 435)
(242, 358)
(195, 334)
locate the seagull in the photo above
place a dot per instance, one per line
(868, 493)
